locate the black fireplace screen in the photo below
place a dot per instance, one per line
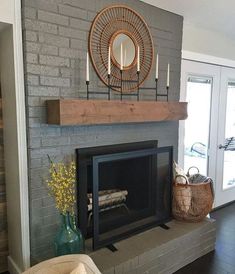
(126, 191)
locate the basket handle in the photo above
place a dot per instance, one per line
(188, 173)
(179, 175)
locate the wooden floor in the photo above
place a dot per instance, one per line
(222, 260)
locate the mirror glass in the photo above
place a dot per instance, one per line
(128, 49)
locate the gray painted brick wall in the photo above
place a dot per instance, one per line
(55, 36)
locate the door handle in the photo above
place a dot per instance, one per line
(221, 147)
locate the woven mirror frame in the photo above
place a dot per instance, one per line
(107, 25)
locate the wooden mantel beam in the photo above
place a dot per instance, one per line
(93, 112)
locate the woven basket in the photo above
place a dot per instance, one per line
(191, 202)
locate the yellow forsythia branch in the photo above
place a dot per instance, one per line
(61, 185)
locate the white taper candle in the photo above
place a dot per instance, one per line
(109, 61)
(121, 66)
(138, 59)
(87, 68)
(157, 66)
(124, 62)
(168, 76)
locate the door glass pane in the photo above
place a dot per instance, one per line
(197, 125)
(229, 153)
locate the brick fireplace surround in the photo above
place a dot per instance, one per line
(55, 37)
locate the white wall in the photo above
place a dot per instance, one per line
(7, 11)
(204, 40)
(207, 42)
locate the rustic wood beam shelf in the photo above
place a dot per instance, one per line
(67, 112)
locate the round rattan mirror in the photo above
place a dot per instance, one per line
(117, 27)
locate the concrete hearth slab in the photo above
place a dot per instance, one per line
(158, 251)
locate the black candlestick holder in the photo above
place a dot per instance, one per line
(109, 88)
(156, 85)
(120, 87)
(87, 90)
(138, 86)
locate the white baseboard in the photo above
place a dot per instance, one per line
(13, 267)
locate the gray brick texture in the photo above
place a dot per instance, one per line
(55, 39)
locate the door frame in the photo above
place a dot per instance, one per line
(18, 235)
(190, 67)
(22, 137)
(208, 59)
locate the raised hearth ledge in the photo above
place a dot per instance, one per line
(159, 251)
(67, 112)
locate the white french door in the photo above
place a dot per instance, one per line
(200, 84)
(225, 170)
(205, 138)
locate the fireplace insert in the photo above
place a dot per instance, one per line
(123, 189)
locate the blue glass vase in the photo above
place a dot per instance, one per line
(69, 239)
